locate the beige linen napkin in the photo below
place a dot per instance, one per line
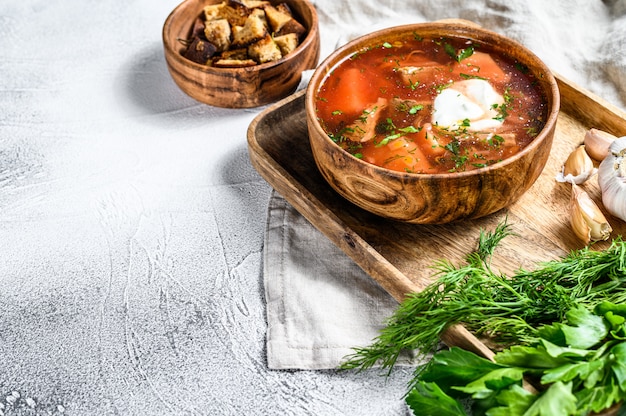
(319, 303)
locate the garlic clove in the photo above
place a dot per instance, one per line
(587, 221)
(612, 179)
(577, 168)
(597, 143)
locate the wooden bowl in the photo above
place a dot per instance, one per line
(433, 198)
(238, 87)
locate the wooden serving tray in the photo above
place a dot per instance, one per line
(400, 256)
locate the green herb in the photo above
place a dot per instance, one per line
(564, 324)
(469, 76)
(507, 309)
(392, 158)
(441, 87)
(465, 53)
(495, 140)
(409, 107)
(337, 113)
(409, 129)
(387, 45)
(352, 147)
(367, 113)
(450, 50)
(394, 133)
(462, 54)
(385, 141)
(531, 131)
(579, 365)
(522, 68)
(503, 109)
(358, 54)
(414, 109)
(502, 112)
(454, 147)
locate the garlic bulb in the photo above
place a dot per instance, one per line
(588, 222)
(597, 143)
(612, 179)
(577, 168)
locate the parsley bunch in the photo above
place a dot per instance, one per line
(579, 367)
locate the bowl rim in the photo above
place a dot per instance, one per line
(312, 33)
(457, 28)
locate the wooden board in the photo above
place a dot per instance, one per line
(400, 256)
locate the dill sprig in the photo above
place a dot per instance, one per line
(506, 310)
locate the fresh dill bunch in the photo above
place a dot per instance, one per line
(420, 319)
(506, 310)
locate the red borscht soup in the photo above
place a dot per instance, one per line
(422, 105)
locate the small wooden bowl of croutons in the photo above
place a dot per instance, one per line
(240, 53)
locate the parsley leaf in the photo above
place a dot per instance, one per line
(429, 399)
(414, 109)
(462, 54)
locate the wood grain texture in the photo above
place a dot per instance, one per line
(239, 87)
(433, 198)
(399, 255)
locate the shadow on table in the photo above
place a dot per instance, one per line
(150, 88)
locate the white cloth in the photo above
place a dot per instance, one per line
(320, 305)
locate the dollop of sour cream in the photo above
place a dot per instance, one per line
(474, 100)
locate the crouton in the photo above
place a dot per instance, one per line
(282, 22)
(284, 8)
(265, 50)
(218, 33)
(213, 11)
(234, 63)
(275, 18)
(197, 30)
(253, 30)
(286, 43)
(200, 51)
(255, 4)
(260, 14)
(235, 12)
(292, 26)
(235, 54)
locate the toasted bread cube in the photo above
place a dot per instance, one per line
(292, 26)
(200, 51)
(253, 30)
(287, 43)
(265, 50)
(276, 18)
(240, 54)
(197, 30)
(260, 14)
(213, 11)
(284, 8)
(218, 33)
(234, 63)
(255, 4)
(239, 5)
(236, 12)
